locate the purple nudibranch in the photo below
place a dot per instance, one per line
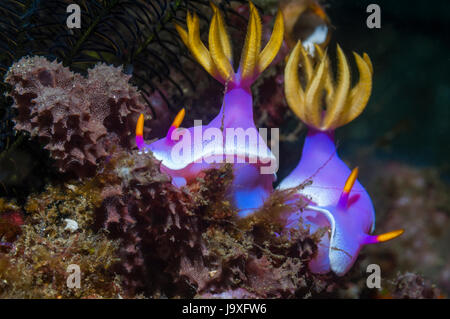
(205, 146)
(335, 199)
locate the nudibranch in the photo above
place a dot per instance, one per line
(335, 198)
(231, 136)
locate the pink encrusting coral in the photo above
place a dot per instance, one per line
(336, 199)
(231, 136)
(81, 120)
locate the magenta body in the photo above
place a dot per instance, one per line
(350, 224)
(203, 151)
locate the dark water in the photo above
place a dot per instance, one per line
(408, 115)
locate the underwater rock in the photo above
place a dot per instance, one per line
(231, 294)
(11, 220)
(416, 199)
(37, 265)
(81, 120)
(150, 216)
(413, 286)
(188, 241)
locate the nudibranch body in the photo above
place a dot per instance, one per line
(335, 199)
(231, 137)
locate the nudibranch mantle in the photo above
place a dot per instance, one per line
(215, 143)
(251, 186)
(321, 164)
(335, 199)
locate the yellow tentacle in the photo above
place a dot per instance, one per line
(216, 50)
(314, 93)
(273, 46)
(217, 59)
(183, 34)
(390, 235)
(223, 34)
(249, 52)
(254, 12)
(307, 64)
(368, 61)
(334, 111)
(329, 83)
(359, 95)
(196, 46)
(292, 87)
(342, 103)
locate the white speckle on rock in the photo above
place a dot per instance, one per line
(71, 187)
(71, 225)
(403, 201)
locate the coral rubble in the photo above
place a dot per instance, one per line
(81, 120)
(413, 286)
(416, 198)
(188, 241)
(36, 264)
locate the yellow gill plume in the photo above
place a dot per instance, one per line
(343, 103)
(217, 58)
